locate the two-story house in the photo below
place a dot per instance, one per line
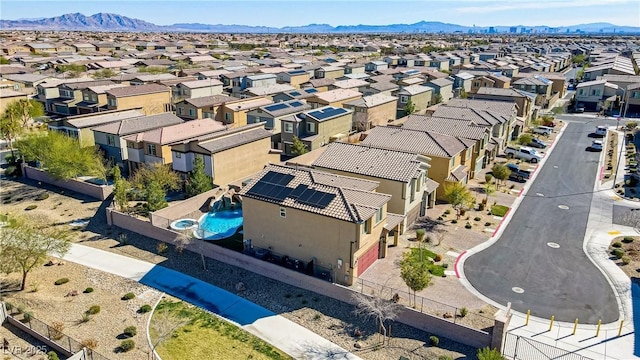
(272, 115)
(207, 107)
(315, 128)
(79, 126)
(94, 98)
(196, 89)
(335, 97)
(442, 90)
(593, 94)
(334, 225)
(229, 155)
(153, 146)
(420, 96)
(402, 175)
(294, 78)
(70, 95)
(234, 113)
(301, 94)
(110, 137)
(371, 111)
(446, 152)
(152, 98)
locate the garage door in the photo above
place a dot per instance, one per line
(368, 258)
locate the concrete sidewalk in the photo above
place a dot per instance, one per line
(293, 339)
(599, 233)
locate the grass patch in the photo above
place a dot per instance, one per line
(206, 336)
(428, 256)
(499, 210)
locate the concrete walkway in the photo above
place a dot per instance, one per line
(293, 339)
(587, 341)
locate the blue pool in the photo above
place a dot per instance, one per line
(219, 225)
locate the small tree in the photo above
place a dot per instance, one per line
(489, 189)
(4, 61)
(16, 118)
(438, 99)
(501, 172)
(525, 139)
(458, 196)
(120, 187)
(298, 148)
(25, 244)
(164, 324)
(158, 173)
(415, 274)
(198, 181)
(409, 108)
(156, 197)
(376, 307)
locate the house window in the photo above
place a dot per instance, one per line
(151, 149)
(112, 102)
(635, 95)
(227, 117)
(311, 128)
(94, 97)
(581, 92)
(179, 111)
(178, 155)
(288, 127)
(379, 215)
(208, 115)
(452, 162)
(404, 99)
(66, 93)
(111, 140)
(130, 145)
(595, 92)
(366, 227)
(192, 112)
(283, 212)
(86, 97)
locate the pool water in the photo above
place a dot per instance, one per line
(220, 224)
(184, 224)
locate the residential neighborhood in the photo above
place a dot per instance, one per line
(372, 194)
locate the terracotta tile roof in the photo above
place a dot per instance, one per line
(347, 204)
(413, 141)
(169, 134)
(369, 161)
(134, 90)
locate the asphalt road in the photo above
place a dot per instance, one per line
(556, 281)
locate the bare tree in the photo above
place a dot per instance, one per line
(182, 241)
(165, 324)
(376, 307)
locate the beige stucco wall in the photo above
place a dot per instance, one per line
(326, 129)
(242, 161)
(440, 170)
(5, 101)
(151, 103)
(381, 114)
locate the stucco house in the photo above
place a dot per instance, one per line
(206, 107)
(79, 126)
(596, 95)
(371, 111)
(315, 128)
(442, 87)
(152, 98)
(335, 226)
(335, 97)
(420, 96)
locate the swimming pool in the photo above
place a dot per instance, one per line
(219, 225)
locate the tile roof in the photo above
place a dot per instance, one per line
(458, 128)
(417, 142)
(369, 161)
(135, 125)
(269, 90)
(337, 95)
(347, 204)
(414, 89)
(155, 77)
(441, 82)
(7, 93)
(228, 139)
(84, 121)
(84, 85)
(383, 86)
(350, 83)
(393, 220)
(372, 100)
(198, 84)
(133, 90)
(285, 108)
(173, 133)
(248, 104)
(210, 100)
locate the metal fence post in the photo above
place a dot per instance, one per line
(421, 304)
(69, 340)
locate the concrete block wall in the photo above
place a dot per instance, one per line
(100, 192)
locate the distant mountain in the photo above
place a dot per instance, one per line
(77, 21)
(114, 22)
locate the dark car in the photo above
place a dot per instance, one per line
(537, 143)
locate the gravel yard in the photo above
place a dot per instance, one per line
(336, 321)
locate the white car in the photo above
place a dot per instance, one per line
(601, 131)
(543, 130)
(596, 145)
(523, 153)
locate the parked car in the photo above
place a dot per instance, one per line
(543, 130)
(524, 153)
(537, 143)
(596, 145)
(601, 131)
(578, 108)
(517, 173)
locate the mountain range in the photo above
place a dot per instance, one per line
(115, 22)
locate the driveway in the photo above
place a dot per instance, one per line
(539, 262)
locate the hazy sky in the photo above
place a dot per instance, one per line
(337, 12)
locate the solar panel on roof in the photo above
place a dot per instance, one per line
(297, 191)
(315, 198)
(294, 93)
(296, 72)
(295, 103)
(310, 91)
(276, 107)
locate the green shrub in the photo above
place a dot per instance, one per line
(128, 296)
(487, 224)
(20, 309)
(27, 316)
(94, 309)
(489, 354)
(440, 218)
(617, 244)
(463, 312)
(51, 355)
(627, 239)
(144, 309)
(8, 306)
(477, 218)
(447, 211)
(127, 345)
(619, 253)
(88, 290)
(444, 357)
(42, 196)
(626, 260)
(454, 221)
(434, 340)
(130, 331)
(467, 226)
(61, 281)
(31, 207)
